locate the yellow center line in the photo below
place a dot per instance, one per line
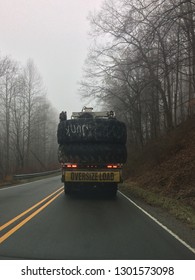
(28, 210)
(14, 229)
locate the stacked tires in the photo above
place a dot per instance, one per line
(88, 140)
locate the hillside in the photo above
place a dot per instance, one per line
(166, 168)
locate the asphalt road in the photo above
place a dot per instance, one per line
(37, 221)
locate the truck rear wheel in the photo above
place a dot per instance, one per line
(66, 189)
(112, 192)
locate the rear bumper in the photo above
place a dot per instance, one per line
(90, 186)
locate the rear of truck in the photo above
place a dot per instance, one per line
(103, 177)
(92, 151)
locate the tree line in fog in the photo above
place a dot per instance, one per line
(142, 63)
(27, 120)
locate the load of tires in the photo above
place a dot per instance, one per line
(91, 131)
(92, 153)
(90, 140)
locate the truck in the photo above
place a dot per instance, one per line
(92, 151)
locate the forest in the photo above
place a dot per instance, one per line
(141, 63)
(27, 121)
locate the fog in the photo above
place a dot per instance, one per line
(54, 34)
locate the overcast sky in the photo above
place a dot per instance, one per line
(54, 34)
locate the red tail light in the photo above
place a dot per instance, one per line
(112, 166)
(71, 165)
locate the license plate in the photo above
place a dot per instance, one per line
(84, 176)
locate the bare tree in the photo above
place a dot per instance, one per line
(142, 60)
(7, 91)
(32, 92)
(27, 120)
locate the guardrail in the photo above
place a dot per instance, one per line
(34, 175)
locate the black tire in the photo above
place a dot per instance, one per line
(111, 191)
(92, 153)
(91, 131)
(66, 189)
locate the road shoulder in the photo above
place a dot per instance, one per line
(179, 228)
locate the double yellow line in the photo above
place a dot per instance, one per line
(45, 203)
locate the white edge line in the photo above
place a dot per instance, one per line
(160, 224)
(11, 187)
(14, 186)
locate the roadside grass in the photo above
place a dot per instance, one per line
(176, 207)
